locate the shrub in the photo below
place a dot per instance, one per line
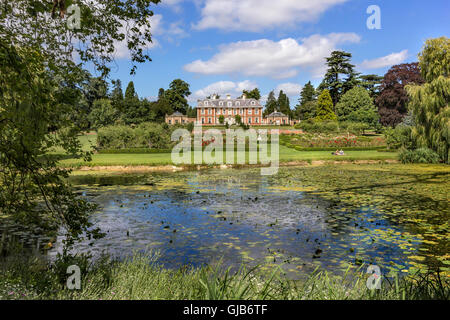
(324, 110)
(145, 135)
(316, 127)
(400, 137)
(421, 155)
(357, 105)
(357, 127)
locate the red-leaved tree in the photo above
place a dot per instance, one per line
(393, 99)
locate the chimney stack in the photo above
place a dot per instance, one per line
(244, 96)
(228, 96)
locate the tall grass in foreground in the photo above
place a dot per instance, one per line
(141, 277)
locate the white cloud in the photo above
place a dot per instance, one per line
(289, 88)
(222, 88)
(280, 60)
(258, 15)
(387, 61)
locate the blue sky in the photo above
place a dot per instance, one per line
(225, 46)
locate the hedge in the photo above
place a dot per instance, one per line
(133, 150)
(340, 148)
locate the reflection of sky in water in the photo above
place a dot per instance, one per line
(196, 218)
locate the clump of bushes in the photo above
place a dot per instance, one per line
(312, 126)
(316, 126)
(399, 137)
(146, 135)
(421, 155)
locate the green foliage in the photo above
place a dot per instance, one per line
(237, 118)
(177, 95)
(103, 114)
(40, 88)
(399, 137)
(283, 104)
(133, 151)
(356, 127)
(318, 127)
(430, 103)
(103, 25)
(356, 105)
(308, 94)
(134, 110)
(306, 111)
(421, 155)
(190, 126)
(339, 64)
(393, 98)
(141, 277)
(306, 108)
(146, 135)
(371, 83)
(325, 108)
(221, 119)
(253, 94)
(271, 104)
(32, 189)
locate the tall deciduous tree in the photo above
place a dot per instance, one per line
(339, 66)
(356, 105)
(177, 95)
(430, 101)
(393, 99)
(372, 83)
(103, 114)
(325, 107)
(253, 94)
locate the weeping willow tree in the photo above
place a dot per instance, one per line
(430, 102)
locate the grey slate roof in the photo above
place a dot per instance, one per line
(276, 114)
(223, 103)
(177, 114)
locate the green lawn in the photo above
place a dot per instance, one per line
(286, 155)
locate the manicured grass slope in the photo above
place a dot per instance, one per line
(286, 155)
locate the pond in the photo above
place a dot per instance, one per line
(289, 220)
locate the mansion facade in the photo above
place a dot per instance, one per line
(209, 111)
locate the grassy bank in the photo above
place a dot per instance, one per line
(286, 155)
(142, 278)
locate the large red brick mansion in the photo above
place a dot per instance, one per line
(210, 110)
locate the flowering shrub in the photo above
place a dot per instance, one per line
(208, 142)
(327, 141)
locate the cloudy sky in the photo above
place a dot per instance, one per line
(226, 46)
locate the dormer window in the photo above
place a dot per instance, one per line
(230, 104)
(206, 103)
(238, 103)
(253, 103)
